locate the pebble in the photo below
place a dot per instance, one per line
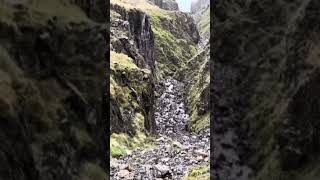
(123, 173)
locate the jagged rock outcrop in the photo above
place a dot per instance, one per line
(51, 87)
(170, 5)
(131, 35)
(265, 85)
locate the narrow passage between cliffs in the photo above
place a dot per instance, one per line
(175, 150)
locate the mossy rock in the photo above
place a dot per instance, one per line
(198, 173)
(121, 144)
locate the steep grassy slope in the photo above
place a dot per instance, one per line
(52, 69)
(175, 43)
(198, 77)
(196, 71)
(266, 53)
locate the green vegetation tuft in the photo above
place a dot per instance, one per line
(198, 123)
(121, 61)
(198, 173)
(121, 144)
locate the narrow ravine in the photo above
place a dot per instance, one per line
(176, 148)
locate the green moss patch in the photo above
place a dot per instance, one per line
(121, 144)
(172, 53)
(198, 123)
(200, 79)
(121, 61)
(198, 173)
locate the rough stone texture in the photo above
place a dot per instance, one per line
(170, 5)
(131, 34)
(51, 88)
(176, 149)
(264, 86)
(136, 37)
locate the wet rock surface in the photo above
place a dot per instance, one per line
(131, 34)
(176, 148)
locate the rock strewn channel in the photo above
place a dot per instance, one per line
(176, 149)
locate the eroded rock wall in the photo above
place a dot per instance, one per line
(131, 35)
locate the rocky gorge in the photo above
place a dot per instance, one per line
(56, 85)
(174, 151)
(160, 116)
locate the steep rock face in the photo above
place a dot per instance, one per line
(182, 26)
(51, 96)
(176, 36)
(131, 35)
(267, 79)
(170, 5)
